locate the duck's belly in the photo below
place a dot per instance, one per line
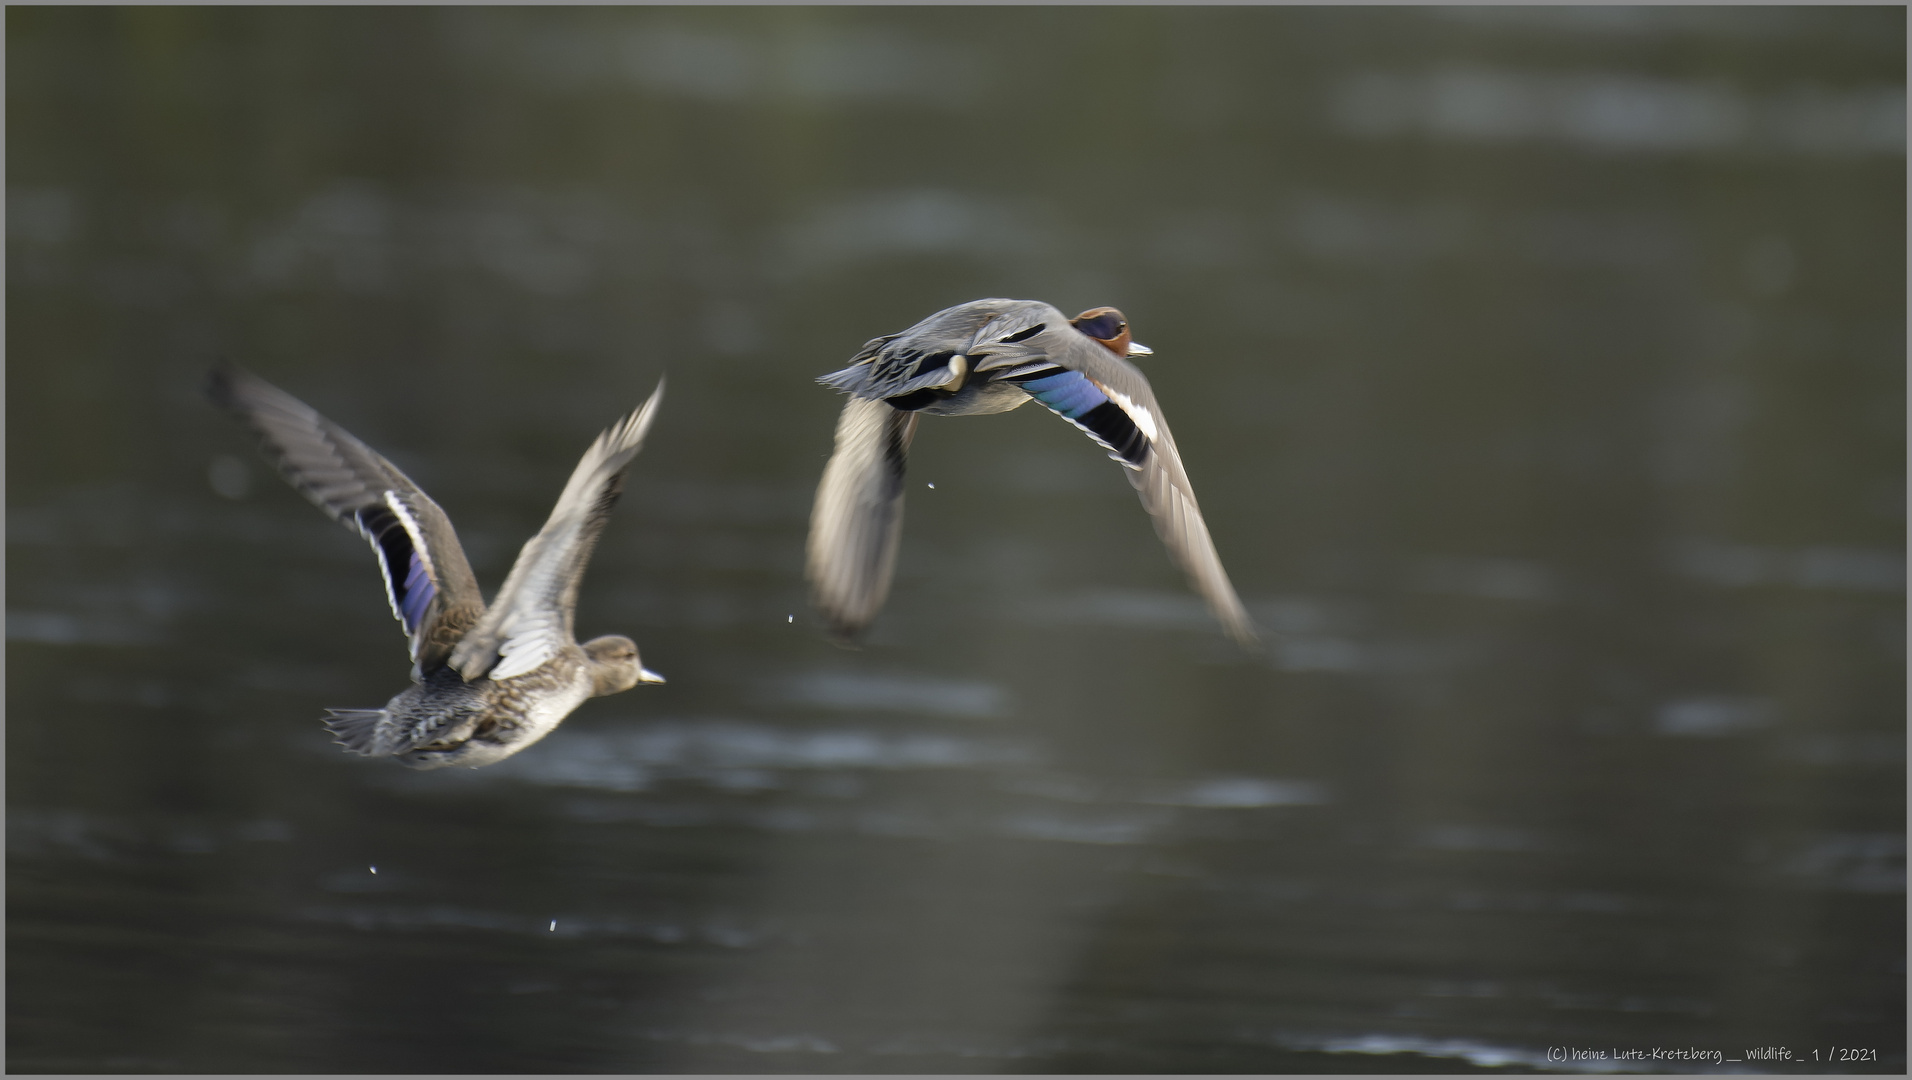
(979, 398)
(521, 719)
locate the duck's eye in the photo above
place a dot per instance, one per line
(1105, 327)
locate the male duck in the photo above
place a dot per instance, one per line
(487, 682)
(990, 356)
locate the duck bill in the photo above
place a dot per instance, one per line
(1136, 348)
(649, 676)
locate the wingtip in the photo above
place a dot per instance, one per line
(1235, 620)
(844, 633)
(640, 421)
(1247, 637)
(627, 435)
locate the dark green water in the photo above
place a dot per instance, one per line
(1541, 373)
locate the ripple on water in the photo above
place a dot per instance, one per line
(740, 755)
(897, 692)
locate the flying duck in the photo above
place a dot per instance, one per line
(487, 682)
(990, 356)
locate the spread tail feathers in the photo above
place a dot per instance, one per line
(363, 731)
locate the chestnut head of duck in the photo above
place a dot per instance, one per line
(1107, 327)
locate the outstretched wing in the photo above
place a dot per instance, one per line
(530, 620)
(858, 516)
(427, 579)
(1110, 400)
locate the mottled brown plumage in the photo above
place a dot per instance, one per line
(487, 681)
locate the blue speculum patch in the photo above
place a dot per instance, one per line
(1074, 397)
(1070, 393)
(418, 593)
(411, 594)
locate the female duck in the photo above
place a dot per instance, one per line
(990, 356)
(487, 682)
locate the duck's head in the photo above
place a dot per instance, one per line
(1110, 330)
(615, 666)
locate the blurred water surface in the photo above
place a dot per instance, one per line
(1541, 371)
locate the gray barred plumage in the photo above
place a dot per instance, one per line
(991, 356)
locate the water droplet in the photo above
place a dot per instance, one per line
(932, 487)
(554, 924)
(789, 618)
(229, 476)
(373, 869)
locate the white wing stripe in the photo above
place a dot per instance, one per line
(1140, 414)
(405, 518)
